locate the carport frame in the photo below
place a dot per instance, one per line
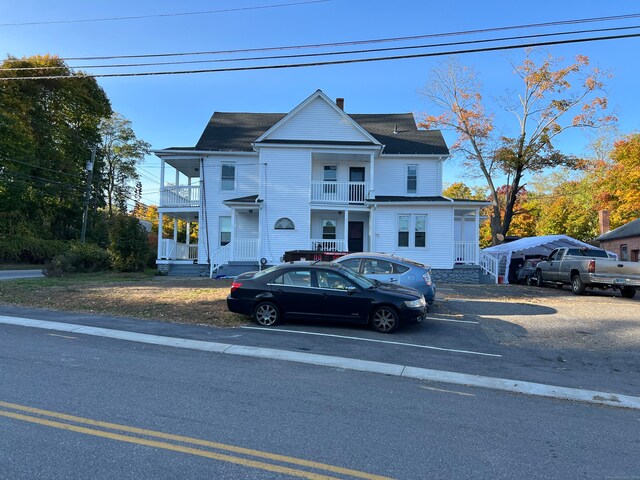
(548, 243)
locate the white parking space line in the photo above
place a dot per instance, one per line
(428, 347)
(451, 320)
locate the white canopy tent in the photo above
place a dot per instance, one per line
(530, 247)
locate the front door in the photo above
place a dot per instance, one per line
(356, 184)
(356, 237)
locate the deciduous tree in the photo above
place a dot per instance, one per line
(553, 98)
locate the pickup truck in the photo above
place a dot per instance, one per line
(588, 268)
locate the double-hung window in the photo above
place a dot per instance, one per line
(225, 230)
(330, 178)
(228, 176)
(328, 229)
(412, 231)
(412, 179)
(404, 222)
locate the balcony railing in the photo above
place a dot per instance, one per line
(171, 250)
(323, 245)
(466, 253)
(339, 192)
(180, 196)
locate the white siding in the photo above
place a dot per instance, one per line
(439, 250)
(318, 121)
(391, 175)
(247, 181)
(286, 178)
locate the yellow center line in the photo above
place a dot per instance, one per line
(183, 439)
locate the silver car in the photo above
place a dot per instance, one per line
(391, 269)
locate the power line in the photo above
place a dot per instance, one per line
(335, 62)
(361, 42)
(348, 52)
(13, 160)
(162, 15)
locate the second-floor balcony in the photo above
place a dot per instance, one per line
(339, 192)
(180, 196)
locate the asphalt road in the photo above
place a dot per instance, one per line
(369, 423)
(18, 274)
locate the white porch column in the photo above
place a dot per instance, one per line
(175, 238)
(372, 192)
(160, 220)
(177, 179)
(346, 231)
(233, 233)
(161, 183)
(259, 251)
(188, 233)
(477, 235)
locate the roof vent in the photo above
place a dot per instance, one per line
(340, 103)
(395, 129)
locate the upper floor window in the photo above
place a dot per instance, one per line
(228, 176)
(284, 223)
(412, 179)
(330, 173)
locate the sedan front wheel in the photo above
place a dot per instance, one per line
(385, 320)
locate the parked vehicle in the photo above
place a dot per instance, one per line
(324, 291)
(392, 269)
(588, 268)
(526, 274)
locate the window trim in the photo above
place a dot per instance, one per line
(283, 219)
(235, 176)
(220, 229)
(412, 230)
(335, 226)
(406, 183)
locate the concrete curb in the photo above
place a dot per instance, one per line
(515, 386)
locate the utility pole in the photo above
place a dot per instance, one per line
(87, 194)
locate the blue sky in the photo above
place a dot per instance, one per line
(173, 110)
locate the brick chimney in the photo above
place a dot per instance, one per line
(603, 219)
(340, 103)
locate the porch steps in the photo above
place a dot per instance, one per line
(188, 270)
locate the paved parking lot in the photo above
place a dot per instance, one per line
(548, 317)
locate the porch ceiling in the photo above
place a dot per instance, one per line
(190, 167)
(186, 216)
(340, 157)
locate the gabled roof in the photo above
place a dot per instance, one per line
(631, 229)
(320, 96)
(237, 131)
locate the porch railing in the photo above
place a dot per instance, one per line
(241, 249)
(489, 265)
(323, 245)
(466, 253)
(245, 249)
(180, 196)
(171, 250)
(339, 192)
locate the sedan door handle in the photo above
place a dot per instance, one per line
(393, 280)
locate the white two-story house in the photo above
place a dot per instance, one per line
(261, 184)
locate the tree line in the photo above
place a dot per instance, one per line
(48, 128)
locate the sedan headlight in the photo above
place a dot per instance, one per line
(419, 303)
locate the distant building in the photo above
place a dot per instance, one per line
(624, 240)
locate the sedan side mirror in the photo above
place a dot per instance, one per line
(351, 290)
